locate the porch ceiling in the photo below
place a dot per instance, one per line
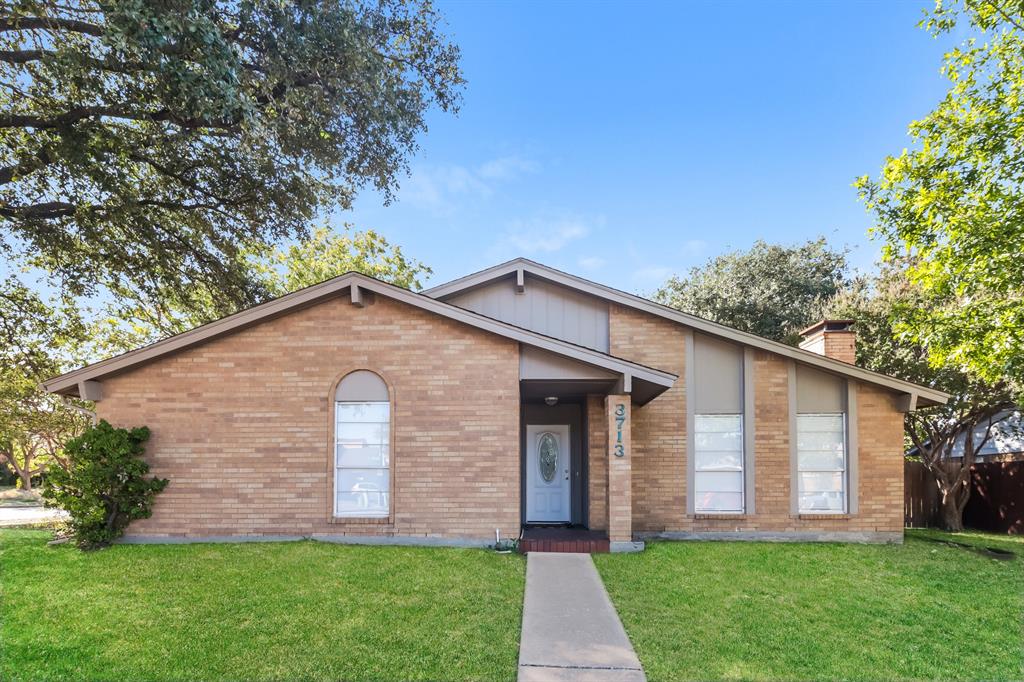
(642, 391)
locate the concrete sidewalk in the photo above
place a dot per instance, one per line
(570, 628)
(19, 516)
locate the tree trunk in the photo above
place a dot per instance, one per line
(26, 478)
(952, 513)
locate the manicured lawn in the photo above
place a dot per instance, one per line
(302, 610)
(923, 610)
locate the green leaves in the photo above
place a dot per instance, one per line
(327, 254)
(955, 204)
(104, 487)
(771, 290)
(144, 147)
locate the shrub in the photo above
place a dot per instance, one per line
(105, 486)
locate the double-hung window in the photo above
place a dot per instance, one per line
(718, 402)
(362, 447)
(821, 463)
(718, 463)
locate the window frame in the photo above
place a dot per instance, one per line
(387, 437)
(740, 417)
(844, 473)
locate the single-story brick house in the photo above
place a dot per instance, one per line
(515, 397)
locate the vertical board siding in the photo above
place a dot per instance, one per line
(541, 307)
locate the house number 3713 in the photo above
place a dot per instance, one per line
(620, 420)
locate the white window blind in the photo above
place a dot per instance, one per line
(718, 463)
(362, 476)
(821, 463)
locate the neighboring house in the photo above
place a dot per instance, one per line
(1005, 442)
(359, 411)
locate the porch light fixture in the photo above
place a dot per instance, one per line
(551, 400)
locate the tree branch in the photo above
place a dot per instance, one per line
(79, 113)
(9, 174)
(995, 5)
(10, 23)
(45, 211)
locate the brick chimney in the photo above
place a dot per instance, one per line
(831, 338)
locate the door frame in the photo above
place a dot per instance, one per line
(574, 415)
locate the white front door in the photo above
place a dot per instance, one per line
(547, 473)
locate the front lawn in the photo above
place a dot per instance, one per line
(301, 610)
(732, 610)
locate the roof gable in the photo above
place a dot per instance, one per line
(519, 267)
(355, 284)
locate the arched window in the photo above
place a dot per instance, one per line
(362, 448)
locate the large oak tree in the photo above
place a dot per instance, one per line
(143, 145)
(771, 290)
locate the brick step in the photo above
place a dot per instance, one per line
(585, 546)
(559, 539)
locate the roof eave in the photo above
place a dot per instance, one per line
(923, 393)
(67, 383)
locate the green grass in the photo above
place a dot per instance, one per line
(694, 610)
(923, 610)
(1007, 543)
(301, 610)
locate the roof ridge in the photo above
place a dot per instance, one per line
(699, 323)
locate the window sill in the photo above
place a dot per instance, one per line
(723, 515)
(361, 520)
(824, 517)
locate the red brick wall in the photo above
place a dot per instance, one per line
(660, 458)
(240, 425)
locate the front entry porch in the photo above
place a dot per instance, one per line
(575, 468)
(563, 539)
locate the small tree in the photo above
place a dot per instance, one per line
(105, 486)
(34, 425)
(879, 308)
(935, 433)
(128, 324)
(955, 199)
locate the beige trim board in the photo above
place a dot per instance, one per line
(924, 395)
(69, 382)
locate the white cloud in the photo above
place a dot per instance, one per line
(694, 247)
(443, 188)
(437, 187)
(591, 262)
(652, 274)
(507, 168)
(544, 234)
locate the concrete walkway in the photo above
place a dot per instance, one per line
(570, 628)
(20, 516)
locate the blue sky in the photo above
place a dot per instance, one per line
(626, 142)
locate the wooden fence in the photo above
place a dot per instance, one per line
(996, 503)
(920, 497)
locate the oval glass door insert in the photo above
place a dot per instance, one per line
(547, 449)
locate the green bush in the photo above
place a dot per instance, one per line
(104, 487)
